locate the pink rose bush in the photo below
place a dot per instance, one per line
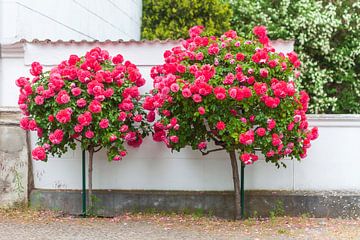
(93, 99)
(237, 92)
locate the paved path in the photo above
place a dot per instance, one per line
(43, 227)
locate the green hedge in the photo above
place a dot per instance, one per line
(327, 35)
(164, 19)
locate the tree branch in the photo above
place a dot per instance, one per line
(98, 149)
(213, 150)
(217, 141)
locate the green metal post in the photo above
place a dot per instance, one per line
(242, 192)
(83, 184)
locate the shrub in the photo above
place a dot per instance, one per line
(93, 100)
(164, 19)
(236, 92)
(327, 35)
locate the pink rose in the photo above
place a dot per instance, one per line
(39, 100)
(76, 91)
(64, 115)
(112, 138)
(85, 119)
(95, 106)
(56, 137)
(138, 118)
(202, 145)
(271, 124)
(186, 92)
(264, 73)
(104, 123)
(247, 138)
(174, 87)
(197, 98)
(62, 97)
(81, 102)
(78, 128)
(174, 139)
(124, 128)
(201, 110)
(36, 69)
(261, 132)
(150, 117)
(89, 134)
(220, 93)
(38, 153)
(220, 125)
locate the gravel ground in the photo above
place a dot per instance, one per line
(27, 224)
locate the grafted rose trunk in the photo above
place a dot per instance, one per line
(90, 170)
(236, 181)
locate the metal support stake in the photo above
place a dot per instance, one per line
(242, 192)
(83, 195)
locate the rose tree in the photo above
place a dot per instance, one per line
(93, 100)
(238, 93)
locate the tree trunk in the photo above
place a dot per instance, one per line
(235, 171)
(91, 155)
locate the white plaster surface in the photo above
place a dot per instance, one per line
(69, 19)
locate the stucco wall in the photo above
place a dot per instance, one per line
(332, 164)
(13, 159)
(70, 19)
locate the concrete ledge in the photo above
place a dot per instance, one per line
(10, 116)
(292, 203)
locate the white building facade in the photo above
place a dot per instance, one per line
(69, 20)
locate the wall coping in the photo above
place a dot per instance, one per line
(10, 116)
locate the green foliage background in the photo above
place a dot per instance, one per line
(326, 33)
(172, 19)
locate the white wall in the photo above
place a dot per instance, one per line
(333, 162)
(69, 19)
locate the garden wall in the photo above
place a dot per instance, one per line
(152, 176)
(14, 164)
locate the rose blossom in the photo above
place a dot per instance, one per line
(104, 123)
(78, 128)
(76, 91)
(220, 125)
(85, 119)
(38, 153)
(39, 100)
(202, 145)
(174, 139)
(112, 138)
(56, 137)
(89, 134)
(64, 115)
(261, 132)
(95, 106)
(81, 103)
(247, 138)
(201, 110)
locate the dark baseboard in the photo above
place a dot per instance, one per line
(219, 203)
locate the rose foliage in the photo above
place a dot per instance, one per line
(234, 91)
(93, 99)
